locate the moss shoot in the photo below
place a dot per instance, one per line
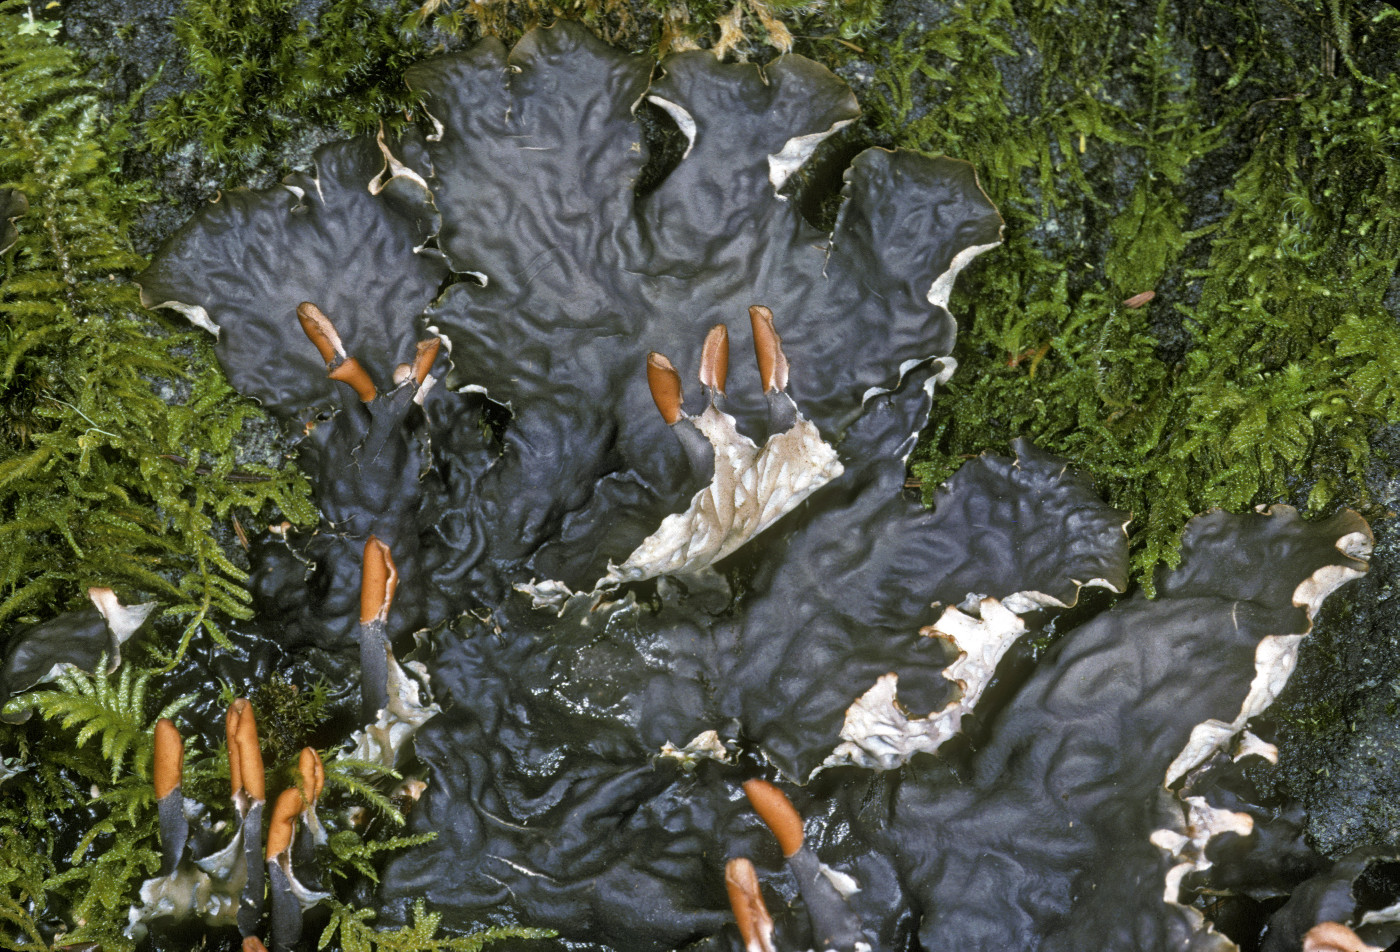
(118, 463)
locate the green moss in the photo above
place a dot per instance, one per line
(658, 26)
(1266, 351)
(96, 799)
(78, 822)
(355, 933)
(1203, 151)
(117, 455)
(264, 76)
(287, 715)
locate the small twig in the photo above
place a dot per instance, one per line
(829, 39)
(242, 536)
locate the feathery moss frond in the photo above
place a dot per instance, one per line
(358, 778)
(115, 713)
(352, 927)
(356, 853)
(266, 75)
(98, 399)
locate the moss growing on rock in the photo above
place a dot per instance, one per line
(1138, 150)
(265, 73)
(252, 86)
(118, 463)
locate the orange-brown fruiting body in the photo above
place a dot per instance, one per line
(1335, 937)
(320, 331)
(665, 386)
(714, 359)
(379, 579)
(349, 371)
(750, 911)
(768, 348)
(423, 359)
(313, 774)
(245, 763)
(775, 809)
(169, 758)
(284, 815)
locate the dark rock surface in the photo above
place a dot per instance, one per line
(1339, 720)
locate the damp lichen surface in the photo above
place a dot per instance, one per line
(585, 767)
(1161, 148)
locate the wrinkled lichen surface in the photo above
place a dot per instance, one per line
(552, 782)
(1131, 47)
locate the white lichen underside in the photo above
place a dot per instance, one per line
(1187, 846)
(752, 488)
(704, 746)
(1274, 661)
(397, 722)
(122, 622)
(795, 153)
(880, 735)
(210, 890)
(187, 891)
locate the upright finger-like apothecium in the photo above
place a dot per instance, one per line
(310, 780)
(834, 925)
(665, 383)
(170, 801)
(426, 353)
(357, 378)
(286, 905)
(347, 370)
(772, 370)
(248, 783)
(1335, 937)
(379, 579)
(768, 349)
(775, 809)
(418, 374)
(247, 777)
(312, 775)
(282, 823)
(714, 361)
(321, 332)
(750, 911)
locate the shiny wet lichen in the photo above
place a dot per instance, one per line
(1086, 52)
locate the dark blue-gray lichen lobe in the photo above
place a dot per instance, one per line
(548, 791)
